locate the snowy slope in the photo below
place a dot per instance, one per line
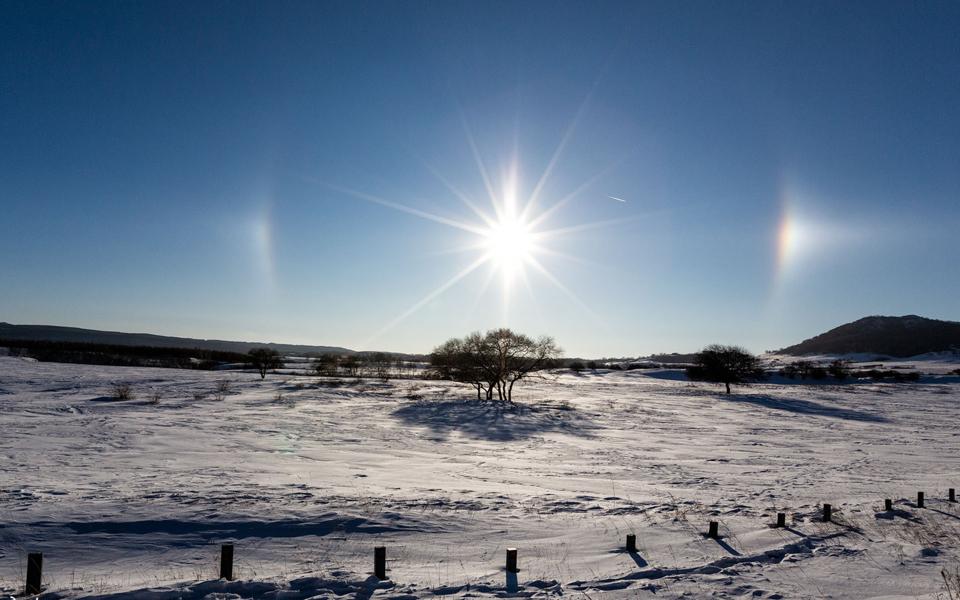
(126, 497)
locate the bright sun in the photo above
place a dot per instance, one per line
(509, 243)
(508, 236)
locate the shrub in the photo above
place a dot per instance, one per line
(223, 388)
(839, 369)
(122, 391)
(576, 366)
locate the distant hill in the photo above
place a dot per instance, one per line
(899, 337)
(54, 333)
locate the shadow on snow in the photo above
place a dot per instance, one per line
(805, 407)
(222, 530)
(496, 421)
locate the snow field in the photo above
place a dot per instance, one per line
(132, 499)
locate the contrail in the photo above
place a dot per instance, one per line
(617, 199)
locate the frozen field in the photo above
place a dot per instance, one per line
(131, 499)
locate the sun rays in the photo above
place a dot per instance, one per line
(507, 234)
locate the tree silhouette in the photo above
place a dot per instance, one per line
(725, 364)
(493, 362)
(264, 359)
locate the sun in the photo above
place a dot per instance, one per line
(510, 237)
(509, 243)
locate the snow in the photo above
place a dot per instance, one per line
(131, 499)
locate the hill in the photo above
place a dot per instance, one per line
(53, 333)
(899, 337)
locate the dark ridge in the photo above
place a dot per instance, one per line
(53, 333)
(897, 337)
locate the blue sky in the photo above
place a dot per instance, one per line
(206, 169)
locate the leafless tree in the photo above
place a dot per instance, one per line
(493, 362)
(725, 364)
(264, 359)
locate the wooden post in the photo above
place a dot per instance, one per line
(226, 562)
(952, 495)
(714, 530)
(34, 572)
(827, 513)
(631, 542)
(380, 562)
(781, 519)
(919, 499)
(511, 560)
(888, 504)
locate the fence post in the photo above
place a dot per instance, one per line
(919, 499)
(511, 560)
(226, 562)
(781, 519)
(714, 530)
(380, 562)
(631, 542)
(952, 494)
(888, 504)
(827, 513)
(34, 572)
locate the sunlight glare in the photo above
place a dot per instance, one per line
(509, 243)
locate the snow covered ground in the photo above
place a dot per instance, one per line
(131, 499)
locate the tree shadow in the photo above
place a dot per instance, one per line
(495, 421)
(805, 407)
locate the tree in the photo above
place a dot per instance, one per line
(725, 364)
(326, 364)
(264, 359)
(493, 362)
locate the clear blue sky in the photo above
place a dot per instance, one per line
(206, 168)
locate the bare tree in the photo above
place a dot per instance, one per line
(326, 364)
(264, 359)
(725, 364)
(494, 362)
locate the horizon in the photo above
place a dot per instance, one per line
(628, 179)
(564, 354)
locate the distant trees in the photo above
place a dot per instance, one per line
(264, 359)
(382, 365)
(326, 364)
(725, 364)
(805, 369)
(493, 362)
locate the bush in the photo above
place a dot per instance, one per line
(881, 375)
(223, 388)
(805, 369)
(576, 366)
(839, 369)
(122, 391)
